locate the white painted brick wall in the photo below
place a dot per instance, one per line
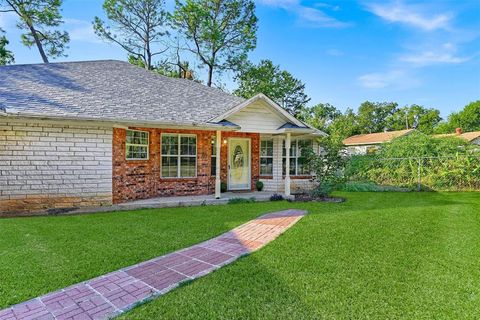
(39, 158)
(277, 184)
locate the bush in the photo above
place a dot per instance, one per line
(259, 185)
(223, 187)
(443, 164)
(276, 197)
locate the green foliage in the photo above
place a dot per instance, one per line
(259, 185)
(135, 25)
(223, 187)
(372, 116)
(320, 116)
(367, 187)
(36, 17)
(6, 56)
(415, 116)
(220, 32)
(279, 85)
(468, 119)
(328, 166)
(241, 200)
(443, 164)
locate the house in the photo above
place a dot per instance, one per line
(106, 132)
(472, 137)
(362, 144)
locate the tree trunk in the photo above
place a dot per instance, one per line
(210, 76)
(38, 43)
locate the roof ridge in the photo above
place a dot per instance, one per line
(61, 62)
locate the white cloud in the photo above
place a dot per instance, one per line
(81, 30)
(394, 79)
(411, 15)
(309, 16)
(446, 54)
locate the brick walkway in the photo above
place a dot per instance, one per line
(117, 292)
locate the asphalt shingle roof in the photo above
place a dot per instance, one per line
(108, 90)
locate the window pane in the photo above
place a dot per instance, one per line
(292, 166)
(187, 167)
(169, 144)
(266, 166)
(137, 152)
(266, 148)
(188, 146)
(169, 167)
(293, 148)
(303, 168)
(213, 167)
(137, 137)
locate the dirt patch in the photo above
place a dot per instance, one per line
(305, 197)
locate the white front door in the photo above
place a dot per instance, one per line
(239, 176)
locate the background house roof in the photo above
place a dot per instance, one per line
(469, 136)
(375, 138)
(108, 90)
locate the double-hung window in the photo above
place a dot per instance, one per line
(266, 157)
(298, 163)
(137, 145)
(179, 156)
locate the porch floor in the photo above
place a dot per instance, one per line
(185, 201)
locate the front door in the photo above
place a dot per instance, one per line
(239, 164)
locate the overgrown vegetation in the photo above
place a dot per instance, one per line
(419, 161)
(241, 200)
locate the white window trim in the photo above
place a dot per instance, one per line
(296, 156)
(137, 145)
(179, 156)
(265, 157)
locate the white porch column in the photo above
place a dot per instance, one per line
(218, 180)
(287, 164)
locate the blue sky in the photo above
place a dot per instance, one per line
(424, 52)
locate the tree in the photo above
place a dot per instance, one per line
(277, 84)
(6, 56)
(220, 32)
(344, 126)
(416, 117)
(372, 116)
(36, 16)
(138, 26)
(320, 116)
(468, 119)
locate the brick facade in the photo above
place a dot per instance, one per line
(141, 179)
(51, 165)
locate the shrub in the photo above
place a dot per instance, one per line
(259, 185)
(276, 197)
(223, 187)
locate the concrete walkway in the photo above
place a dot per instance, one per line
(117, 292)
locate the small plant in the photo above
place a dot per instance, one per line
(240, 200)
(223, 187)
(276, 197)
(259, 185)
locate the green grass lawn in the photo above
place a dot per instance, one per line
(378, 255)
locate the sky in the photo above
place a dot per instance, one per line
(346, 52)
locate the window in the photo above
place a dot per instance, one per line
(298, 164)
(137, 145)
(266, 157)
(213, 162)
(179, 156)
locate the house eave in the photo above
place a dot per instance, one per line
(126, 123)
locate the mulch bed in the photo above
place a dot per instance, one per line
(305, 197)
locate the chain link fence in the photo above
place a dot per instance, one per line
(442, 173)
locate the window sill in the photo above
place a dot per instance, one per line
(266, 177)
(304, 177)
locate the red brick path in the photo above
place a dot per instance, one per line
(117, 292)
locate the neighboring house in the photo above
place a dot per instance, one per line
(472, 137)
(362, 144)
(102, 132)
